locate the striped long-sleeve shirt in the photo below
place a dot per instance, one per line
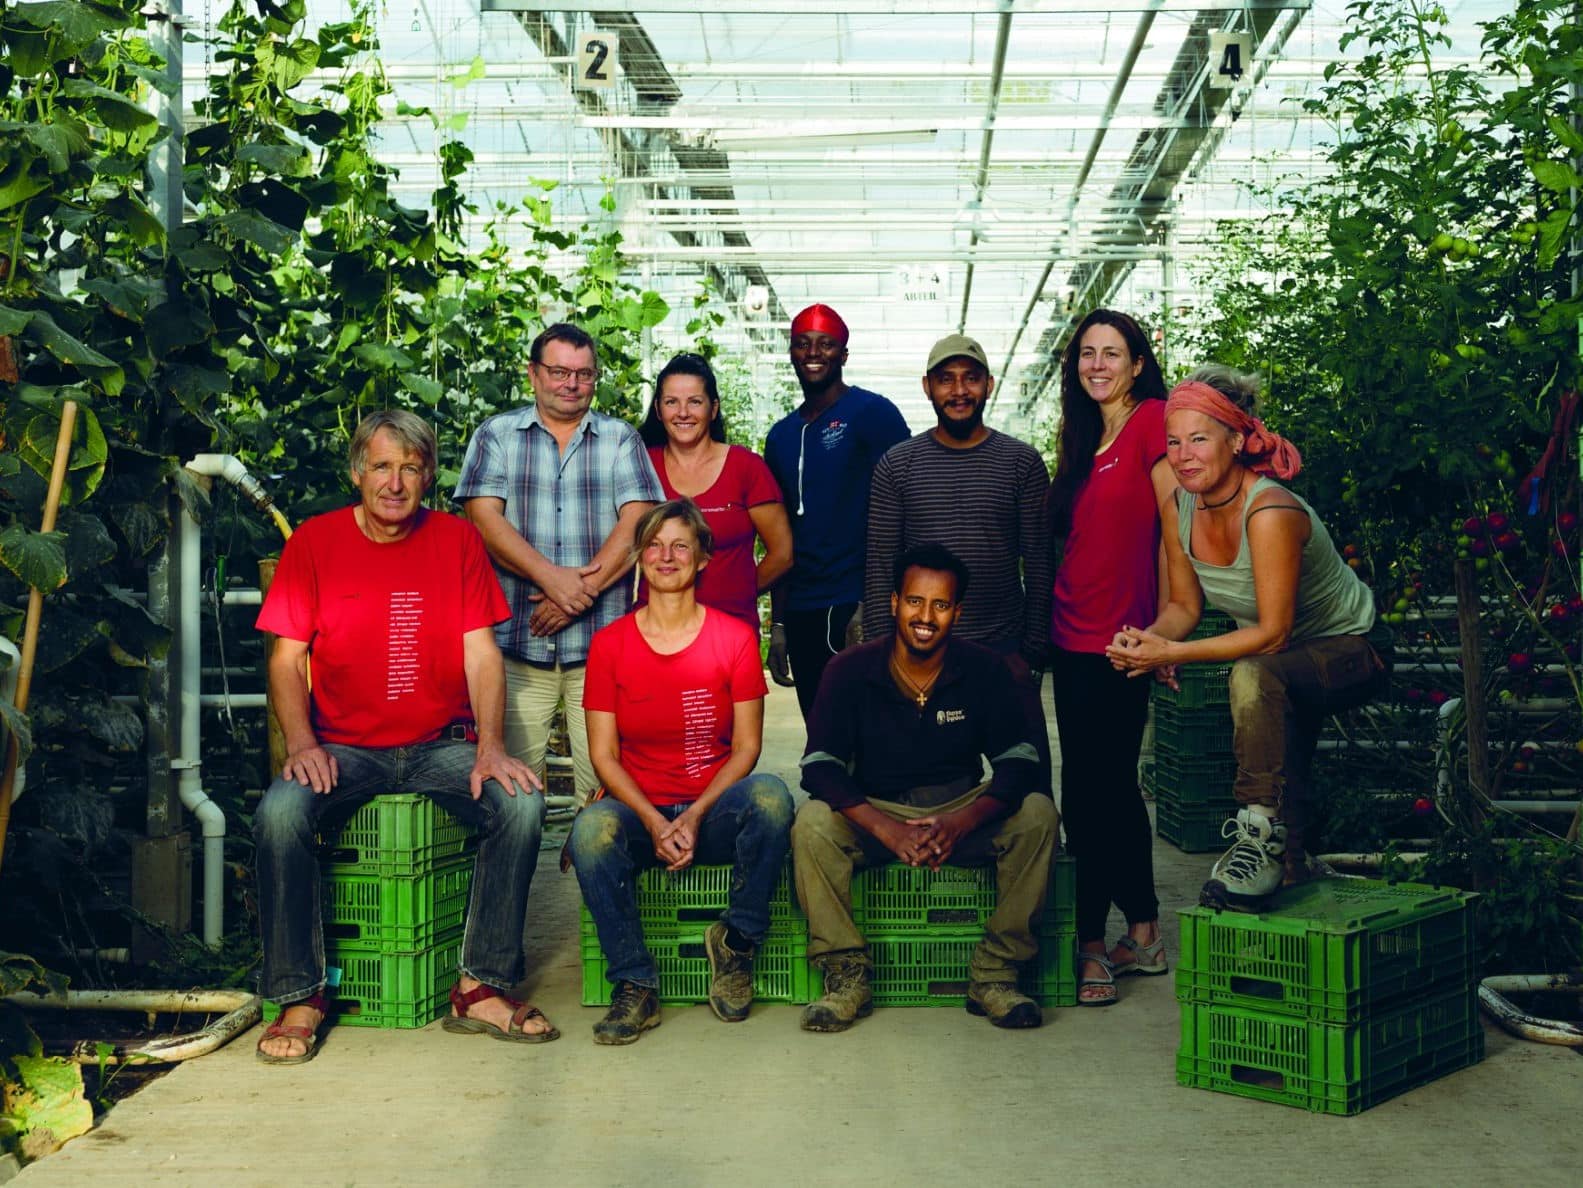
(984, 503)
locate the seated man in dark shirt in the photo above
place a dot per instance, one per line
(894, 764)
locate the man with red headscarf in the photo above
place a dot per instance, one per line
(823, 454)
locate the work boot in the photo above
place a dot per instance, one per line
(730, 975)
(1248, 874)
(633, 1010)
(1005, 1005)
(847, 997)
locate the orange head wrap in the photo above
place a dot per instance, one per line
(820, 319)
(1263, 452)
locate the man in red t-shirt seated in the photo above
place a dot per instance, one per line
(396, 605)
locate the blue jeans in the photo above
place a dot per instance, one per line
(749, 827)
(288, 870)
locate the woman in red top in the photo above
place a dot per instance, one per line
(1105, 502)
(674, 699)
(686, 436)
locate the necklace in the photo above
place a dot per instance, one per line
(917, 692)
(1202, 506)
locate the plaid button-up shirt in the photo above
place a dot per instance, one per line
(564, 505)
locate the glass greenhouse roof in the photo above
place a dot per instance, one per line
(993, 166)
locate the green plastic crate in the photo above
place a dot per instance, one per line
(1329, 1068)
(1193, 829)
(781, 972)
(699, 895)
(397, 914)
(1183, 731)
(401, 834)
(383, 989)
(1202, 685)
(1329, 950)
(896, 898)
(931, 971)
(1193, 779)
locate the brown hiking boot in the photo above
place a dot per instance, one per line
(847, 997)
(633, 1010)
(1005, 1005)
(730, 976)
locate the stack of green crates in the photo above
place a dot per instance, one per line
(1193, 768)
(396, 883)
(1346, 993)
(922, 925)
(675, 909)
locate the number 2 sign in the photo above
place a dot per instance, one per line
(596, 60)
(1230, 59)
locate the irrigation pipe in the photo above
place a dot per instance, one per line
(1522, 1024)
(35, 610)
(242, 1010)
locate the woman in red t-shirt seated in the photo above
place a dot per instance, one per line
(731, 485)
(674, 697)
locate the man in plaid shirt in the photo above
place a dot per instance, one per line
(556, 489)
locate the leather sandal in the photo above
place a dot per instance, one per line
(462, 1024)
(1107, 995)
(308, 1035)
(1147, 960)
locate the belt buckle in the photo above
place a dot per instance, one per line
(459, 732)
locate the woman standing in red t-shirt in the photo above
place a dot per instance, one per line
(674, 699)
(1105, 500)
(732, 486)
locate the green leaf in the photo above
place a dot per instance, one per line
(177, 324)
(13, 321)
(475, 71)
(135, 219)
(64, 347)
(67, 636)
(88, 543)
(287, 64)
(118, 112)
(288, 160)
(59, 141)
(37, 558)
(18, 183)
(142, 527)
(117, 726)
(127, 297)
(269, 237)
(17, 723)
(80, 24)
(382, 357)
(424, 388)
(1566, 133)
(1556, 176)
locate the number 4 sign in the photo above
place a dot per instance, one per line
(596, 60)
(1230, 58)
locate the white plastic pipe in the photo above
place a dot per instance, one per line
(241, 1010)
(1520, 1023)
(8, 691)
(188, 761)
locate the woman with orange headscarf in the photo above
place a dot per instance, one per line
(1305, 645)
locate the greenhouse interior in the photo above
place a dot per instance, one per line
(345, 348)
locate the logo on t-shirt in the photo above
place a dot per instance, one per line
(832, 433)
(1111, 465)
(406, 621)
(945, 717)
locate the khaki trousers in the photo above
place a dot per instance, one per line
(532, 696)
(827, 848)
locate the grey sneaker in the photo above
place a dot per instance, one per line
(1005, 1005)
(633, 1010)
(847, 997)
(730, 976)
(1248, 874)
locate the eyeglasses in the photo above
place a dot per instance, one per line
(559, 375)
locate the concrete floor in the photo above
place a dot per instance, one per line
(928, 1096)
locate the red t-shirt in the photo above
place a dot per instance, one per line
(729, 582)
(1109, 577)
(673, 713)
(384, 623)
